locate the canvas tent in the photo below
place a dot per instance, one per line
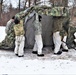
(46, 31)
(28, 17)
(47, 28)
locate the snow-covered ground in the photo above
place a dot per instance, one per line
(2, 33)
(32, 64)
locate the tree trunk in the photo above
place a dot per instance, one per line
(35, 2)
(1, 3)
(29, 3)
(25, 4)
(65, 2)
(62, 2)
(19, 5)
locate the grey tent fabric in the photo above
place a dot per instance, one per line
(46, 31)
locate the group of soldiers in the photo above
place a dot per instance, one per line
(61, 19)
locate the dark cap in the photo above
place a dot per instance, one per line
(16, 21)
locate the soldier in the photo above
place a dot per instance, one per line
(9, 23)
(19, 38)
(59, 14)
(38, 36)
(8, 42)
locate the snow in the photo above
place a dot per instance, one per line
(32, 64)
(2, 33)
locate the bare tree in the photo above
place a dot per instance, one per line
(65, 2)
(62, 2)
(25, 4)
(35, 2)
(1, 2)
(19, 5)
(29, 2)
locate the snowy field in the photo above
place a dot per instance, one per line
(2, 33)
(64, 64)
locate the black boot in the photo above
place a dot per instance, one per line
(34, 52)
(58, 53)
(65, 50)
(16, 54)
(40, 55)
(21, 56)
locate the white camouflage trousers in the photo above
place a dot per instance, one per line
(75, 37)
(38, 44)
(19, 45)
(57, 42)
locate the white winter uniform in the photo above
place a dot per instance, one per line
(58, 42)
(38, 36)
(75, 37)
(19, 45)
(19, 39)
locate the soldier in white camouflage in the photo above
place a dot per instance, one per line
(38, 36)
(60, 15)
(19, 38)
